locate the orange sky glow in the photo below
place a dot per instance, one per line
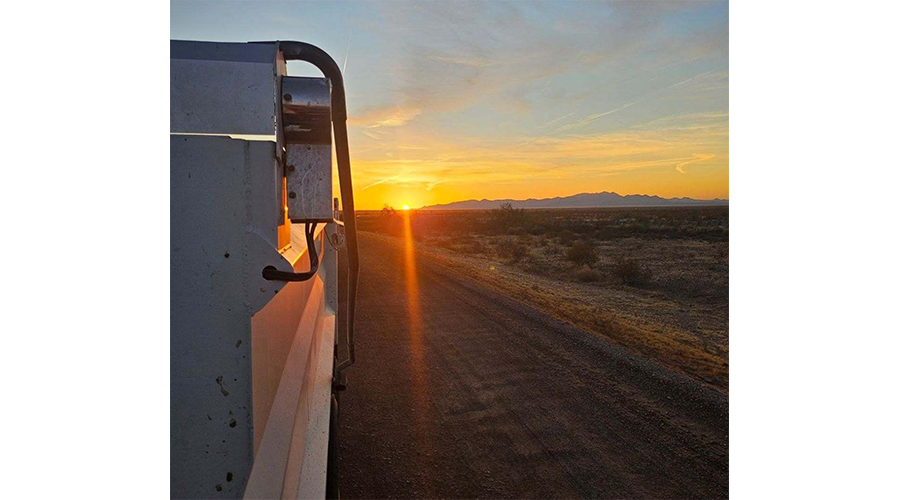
(450, 101)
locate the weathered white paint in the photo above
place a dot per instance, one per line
(221, 235)
(223, 88)
(241, 345)
(310, 182)
(227, 321)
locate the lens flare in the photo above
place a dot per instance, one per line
(423, 419)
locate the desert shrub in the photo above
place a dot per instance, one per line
(513, 251)
(534, 266)
(506, 219)
(566, 237)
(631, 272)
(587, 276)
(471, 245)
(389, 222)
(582, 254)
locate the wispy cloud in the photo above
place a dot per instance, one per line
(563, 117)
(584, 161)
(370, 135)
(688, 80)
(384, 116)
(381, 181)
(464, 61)
(594, 117)
(454, 54)
(587, 120)
(696, 159)
(475, 98)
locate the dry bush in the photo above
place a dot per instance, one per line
(566, 237)
(507, 219)
(632, 272)
(513, 251)
(471, 245)
(582, 254)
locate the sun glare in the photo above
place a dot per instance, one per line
(405, 207)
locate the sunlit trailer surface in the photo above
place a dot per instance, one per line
(259, 339)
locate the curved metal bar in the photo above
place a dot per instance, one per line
(299, 51)
(272, 273)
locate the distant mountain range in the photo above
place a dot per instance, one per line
(583, 200)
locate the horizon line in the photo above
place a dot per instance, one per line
(571, 196)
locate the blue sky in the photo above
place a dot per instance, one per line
(459, 100)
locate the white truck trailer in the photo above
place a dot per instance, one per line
(260, 334)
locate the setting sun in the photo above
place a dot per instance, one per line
(405, 207)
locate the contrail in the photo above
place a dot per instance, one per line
(382, 181)
(347, 55)
(592, 118)
(688, 80)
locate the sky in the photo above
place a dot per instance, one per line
(459, 100)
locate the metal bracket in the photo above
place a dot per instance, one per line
(306, 115)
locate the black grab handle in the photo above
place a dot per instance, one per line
(272, 273)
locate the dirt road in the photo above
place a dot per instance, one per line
(459, 392)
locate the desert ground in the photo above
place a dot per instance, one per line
(488, 373)
(654, 280)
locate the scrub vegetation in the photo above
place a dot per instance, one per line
(652, 279)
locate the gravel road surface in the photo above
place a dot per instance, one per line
(459, 392)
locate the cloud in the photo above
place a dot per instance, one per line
(563, 117)
(653, 146)
(465, 96)
(464, 61)
(697, 158)
(380, 181)
(688, 80)
(450, 55)
(594, 117)
(384, 116)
